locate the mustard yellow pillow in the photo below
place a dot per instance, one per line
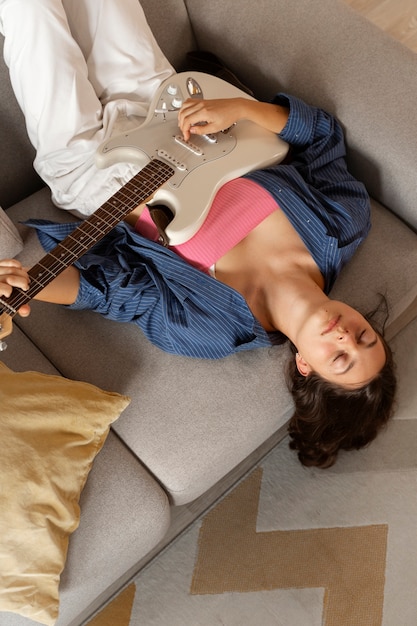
(51, 429)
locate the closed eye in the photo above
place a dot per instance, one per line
(341, 364)
(341, 357)
(341, 361)
(363, 337)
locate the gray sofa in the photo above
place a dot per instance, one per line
(195, 427)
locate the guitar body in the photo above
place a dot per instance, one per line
(201, 165)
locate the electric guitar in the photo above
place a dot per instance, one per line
(181, 175)
(202, 164)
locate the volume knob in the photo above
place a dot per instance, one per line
(172, 89)
(177, 103)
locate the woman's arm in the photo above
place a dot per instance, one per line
(199, 117)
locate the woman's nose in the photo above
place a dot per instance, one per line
(342, 332)
(346, 337)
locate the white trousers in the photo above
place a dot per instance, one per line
(81, 70)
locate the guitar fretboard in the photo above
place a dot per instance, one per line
(137, 191)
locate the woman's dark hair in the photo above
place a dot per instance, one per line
(328, 418)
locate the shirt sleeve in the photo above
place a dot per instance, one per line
(318, 147)
(181, 310)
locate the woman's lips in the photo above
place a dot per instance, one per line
(331, 325)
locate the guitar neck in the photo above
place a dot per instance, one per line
(137, 191)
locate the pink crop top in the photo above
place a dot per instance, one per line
(238, 207)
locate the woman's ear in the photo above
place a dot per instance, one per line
(302, 365)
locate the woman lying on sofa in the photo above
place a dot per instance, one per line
(266, 257)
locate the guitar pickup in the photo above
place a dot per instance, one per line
(163, 154)
(190, 146)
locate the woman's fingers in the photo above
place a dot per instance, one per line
(12, 274)
(200, 117)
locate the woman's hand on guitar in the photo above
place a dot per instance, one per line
(201, 117)
(12, 274)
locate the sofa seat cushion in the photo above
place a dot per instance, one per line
(192, 421)
(385, 264)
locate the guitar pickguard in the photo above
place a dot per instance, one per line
(164, 142)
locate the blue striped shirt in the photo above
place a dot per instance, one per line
(181, 310)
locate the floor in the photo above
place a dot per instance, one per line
(396, 17)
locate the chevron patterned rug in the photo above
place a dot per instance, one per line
(295, 547)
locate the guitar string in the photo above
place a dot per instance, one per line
(53, 264)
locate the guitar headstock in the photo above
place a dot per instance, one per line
(6, 327)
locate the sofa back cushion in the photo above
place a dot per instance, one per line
(330, 56)
(171, 26)
(17, 176)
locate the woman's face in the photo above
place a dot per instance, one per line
(340, 345)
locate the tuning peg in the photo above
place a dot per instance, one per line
(3, 346)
